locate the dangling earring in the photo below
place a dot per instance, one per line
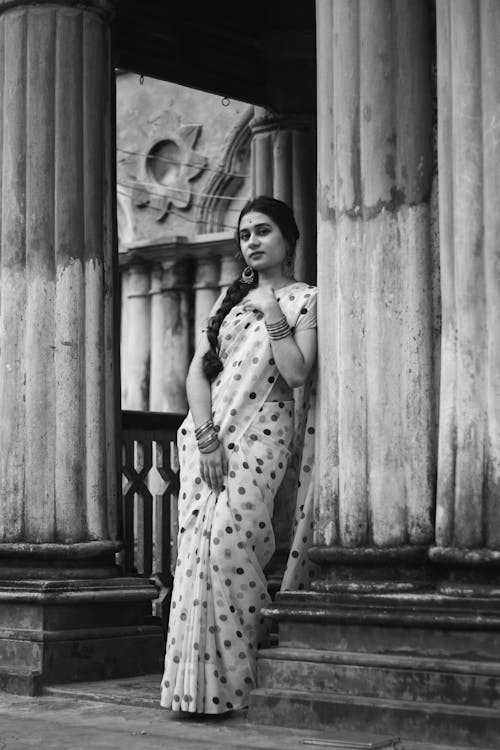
(247, 276)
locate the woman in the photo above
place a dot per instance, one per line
(234, 448)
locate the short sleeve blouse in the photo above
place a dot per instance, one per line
(307, 317)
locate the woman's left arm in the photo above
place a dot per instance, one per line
(294, 355)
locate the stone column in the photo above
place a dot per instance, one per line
(136, 337)
(377, 642)
(170, 340)
(63, 614)
(206, 290)
(468, 493)
(283, 166)
(375, 167)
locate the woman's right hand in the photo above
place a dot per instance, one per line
(213, 468)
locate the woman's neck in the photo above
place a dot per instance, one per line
(275, 280)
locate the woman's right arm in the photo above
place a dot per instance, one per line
(198, 389)
(213, 466)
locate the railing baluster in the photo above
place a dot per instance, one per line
(127, 504)
(149, 524)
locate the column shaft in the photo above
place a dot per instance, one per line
(327, 448)
(55, 276)
(375, 164)
(206, 288)
(170, 344)
(136, 337)
(468, 513)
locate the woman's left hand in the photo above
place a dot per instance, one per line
(261, 300)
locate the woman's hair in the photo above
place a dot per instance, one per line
(283, 217)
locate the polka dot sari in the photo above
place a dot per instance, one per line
(226, 539)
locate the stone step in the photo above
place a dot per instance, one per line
(142, 691)
(473, 727)
(448, 681)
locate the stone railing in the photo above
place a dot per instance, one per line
(150, 483)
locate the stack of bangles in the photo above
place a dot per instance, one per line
(279, 330)
(206, 437)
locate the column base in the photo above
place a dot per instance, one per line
(419, 665)
(48, 561)
(63, 631)
(371, 569)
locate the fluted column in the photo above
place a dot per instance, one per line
(55, 331)
(284, 166)
(371, 641)
(136, 337)
(375, 164)
(468, 493)
(58, 468)
(206, 290)
(170, 344)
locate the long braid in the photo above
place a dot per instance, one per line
(212, 363)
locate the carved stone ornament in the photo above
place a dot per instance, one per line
(168, 167)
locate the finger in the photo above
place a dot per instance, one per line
(220, 474)
(224, 465)
(214, 481)
(202, 471)
(206, 475)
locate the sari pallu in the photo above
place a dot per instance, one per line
(225, 540)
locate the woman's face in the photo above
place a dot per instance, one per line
(261, 242)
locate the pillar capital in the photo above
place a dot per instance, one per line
(103, 8)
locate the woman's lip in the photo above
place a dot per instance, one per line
(257, 252)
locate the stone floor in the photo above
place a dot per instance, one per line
(124, 715)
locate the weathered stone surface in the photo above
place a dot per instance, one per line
(60, 631)
(376, 460)
(56, 279)
(64, 611)
(22, 682)
(468, 490)
(395, 677)
(406, 663)
(475, 727)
